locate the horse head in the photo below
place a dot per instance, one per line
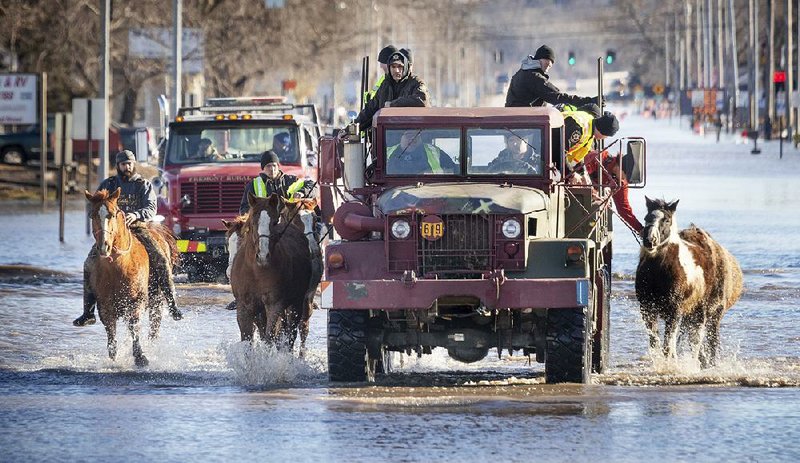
(659, 224)
(262, 221)
(107, 220)
(235, 229)
(300, 213)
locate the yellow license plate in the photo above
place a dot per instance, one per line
(432, 230)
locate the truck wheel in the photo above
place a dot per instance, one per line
(348, 359)
(14, 155)
(568, 355)
(602, 339)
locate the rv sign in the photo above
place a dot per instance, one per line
(18, 99)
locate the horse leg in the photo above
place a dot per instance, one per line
(305, 322)
(245, 319)
(160, 272)
(110, 323)
(711, 344)
(154, 309)
(133, 326)
(651, 323)
(695, 327)
(273, 324)
(261, 324)
(670, 335)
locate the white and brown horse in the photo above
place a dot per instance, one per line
(269, 273)
(685, 278)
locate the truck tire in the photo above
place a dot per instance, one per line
(14, 155)
(348, 358)
(602, 339)
(568, 355)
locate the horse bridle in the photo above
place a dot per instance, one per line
(119, 251)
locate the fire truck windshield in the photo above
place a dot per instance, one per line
(201, 144)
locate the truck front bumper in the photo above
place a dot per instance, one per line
(422, 293)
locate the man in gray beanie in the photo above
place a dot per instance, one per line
(137, 200)
(530, 85)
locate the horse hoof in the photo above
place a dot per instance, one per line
(176, 315)
(84, 320)
(231, 306)
(142, 361)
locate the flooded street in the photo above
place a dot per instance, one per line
(207, 397)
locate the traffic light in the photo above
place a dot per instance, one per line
(571, 59)
(611, 56)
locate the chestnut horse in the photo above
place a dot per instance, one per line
(120, 275)
(300, 213)
(685, 278)
(270, 273)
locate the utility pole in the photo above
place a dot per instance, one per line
(687, 41)
(734, 54)
(666, 52)
(177, 53)
(771, 55)
(105, 92)
(698, 45)
(789, 69)
(756, 67)
(720, 47)
(707, 49)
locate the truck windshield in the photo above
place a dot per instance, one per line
(505, 151)
(423, 151)
(220, 144)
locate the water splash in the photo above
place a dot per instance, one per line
(256, 364)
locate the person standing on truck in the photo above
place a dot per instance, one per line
(273, 180)
(402, 88)
(530, 85)
(138, 201)
(383, 63)
(618, 182)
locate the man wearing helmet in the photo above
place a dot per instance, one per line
(137, 200)
(399, 88)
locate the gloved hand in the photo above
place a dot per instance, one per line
(130, 218)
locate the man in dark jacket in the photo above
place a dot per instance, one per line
(400, 88)
(531, 85)
(137, 200)
(273, 180)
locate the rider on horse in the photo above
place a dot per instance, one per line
(273, 180)
(138, 201)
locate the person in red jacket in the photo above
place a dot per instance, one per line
(619, 182)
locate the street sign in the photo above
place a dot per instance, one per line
(780, 102)
(779, 77)
(62, 146)
(18, 99)
(80, 118)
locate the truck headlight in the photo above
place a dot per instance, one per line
(511, 228)
(401, 229)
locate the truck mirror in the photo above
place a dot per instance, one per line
(633, 163)
(142, 149)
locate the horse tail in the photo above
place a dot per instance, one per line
(168, 238)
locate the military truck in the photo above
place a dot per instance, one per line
(198, 189)
(467, 249)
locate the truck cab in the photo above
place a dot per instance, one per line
(458, 231)
(200, 184)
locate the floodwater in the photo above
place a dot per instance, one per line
(207, 397)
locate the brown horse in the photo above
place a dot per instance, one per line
(300, 213)
(120, 275)
(270, 274)
(685, 278)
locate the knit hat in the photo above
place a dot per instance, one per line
(407, 52)
(125, 155)
(607, 124)
(398, 57)
(383, 56)
(545, 52)
(269, 157)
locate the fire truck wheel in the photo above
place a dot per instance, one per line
(348, 358)
(568, 355)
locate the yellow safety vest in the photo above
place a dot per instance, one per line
(430, 151)
(580, 149)
(370, 94)
(260, 188)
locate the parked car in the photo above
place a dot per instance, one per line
(23, 145)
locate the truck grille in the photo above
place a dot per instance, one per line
(466, 246)
(213, 197)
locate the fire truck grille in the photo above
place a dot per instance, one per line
(465, 247)
(212, 197)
